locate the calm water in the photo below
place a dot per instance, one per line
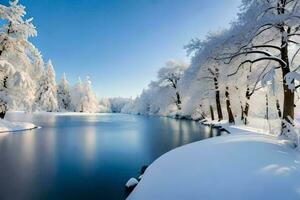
(85, 157)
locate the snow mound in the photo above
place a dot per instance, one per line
(240, 166)
(131, 182)
(7, 126)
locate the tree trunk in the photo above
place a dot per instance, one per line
(228, 106)
(242, 108)
(178, 101)
(247, 106)
(267, 107)
(203, 115)
(242, 112)
(215, 74)
(2, 114)
(3, 47)
(212, 112)
(288, 95)
(218, 103)
(278, 108)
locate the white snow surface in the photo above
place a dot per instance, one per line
(131, 182)
(237, 166)
(7, 126)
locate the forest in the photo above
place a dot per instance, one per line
(247, 74)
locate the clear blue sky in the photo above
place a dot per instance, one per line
(121, 44)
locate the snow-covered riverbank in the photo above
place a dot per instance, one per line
(7, 126)
(237, 166)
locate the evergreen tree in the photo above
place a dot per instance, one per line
(63, 95)
(83, 97)
(17, 58)
(47, 92)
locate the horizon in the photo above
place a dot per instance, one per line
(145, 46)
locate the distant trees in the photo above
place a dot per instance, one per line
(162, 96)
(47, 91)
(169, 76)
(83, 98)
(91, 102)
(117, 104)
(64, 95)
(25, 82)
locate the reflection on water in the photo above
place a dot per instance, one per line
(75, 157)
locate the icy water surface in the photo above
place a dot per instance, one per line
(85, 157)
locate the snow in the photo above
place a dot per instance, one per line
(237, 166)
(131, 182)
(7, 126)
(290, 78)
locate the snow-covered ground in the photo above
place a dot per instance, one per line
(7, 126)
(237, 166)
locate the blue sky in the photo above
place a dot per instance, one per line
(121, 44)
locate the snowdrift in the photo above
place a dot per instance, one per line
(239, 166)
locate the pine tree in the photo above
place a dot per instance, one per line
(17, 52)
(63, 94)
(83, 97)
(47, 92)
(91, 102)
(76, 96)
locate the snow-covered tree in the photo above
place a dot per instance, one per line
(21, 55)
(105, 105)
(84, 98)
(118, 103)
(46, 97)
(64, 94)
(267, 32)
(169, 76)
(14, 34)
(77, 95)
(162, 97)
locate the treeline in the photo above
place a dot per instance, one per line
(246, 74)
(26, 82)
